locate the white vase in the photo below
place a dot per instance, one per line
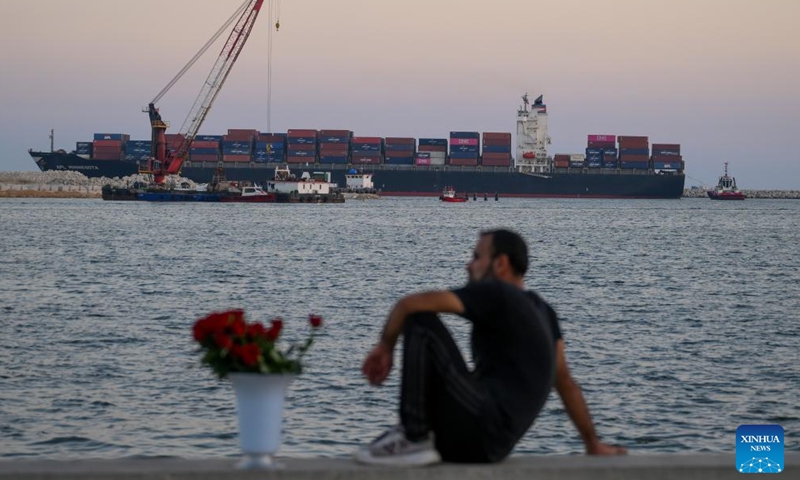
(259, 407)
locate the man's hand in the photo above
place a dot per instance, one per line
(378, 364)
(600, 448)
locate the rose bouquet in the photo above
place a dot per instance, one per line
(230, 344)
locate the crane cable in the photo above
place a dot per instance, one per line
(274, 9)
(200, 53)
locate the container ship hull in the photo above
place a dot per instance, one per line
(419, 180)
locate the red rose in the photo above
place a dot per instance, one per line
(223, 341)
(200, 331)
(238, 327)
(315, 321)
(256, 330)
(275, 329)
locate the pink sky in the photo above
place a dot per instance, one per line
(720, 77)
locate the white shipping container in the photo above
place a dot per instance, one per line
(577, 157)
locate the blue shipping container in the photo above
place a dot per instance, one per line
(111, 136)
(203, 151)
(497, 149)
(464, 148)
(634, 151)
(611, 152)
(329, 139)
(634, 165)
(208, 138)
(433, 142)
(301, 153)
(666, 152)
(594, 151)
(302, 140)
(465, 135)
(367, 147)
(464, 154)
(399, 148)
(667, 165)
(607, 164)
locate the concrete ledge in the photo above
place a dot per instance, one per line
(667, 466)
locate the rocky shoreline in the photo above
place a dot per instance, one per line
(754, 194)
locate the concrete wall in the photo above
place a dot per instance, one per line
(579, 467)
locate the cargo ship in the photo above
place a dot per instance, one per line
(470, 162)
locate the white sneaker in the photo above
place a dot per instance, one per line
(393, 449)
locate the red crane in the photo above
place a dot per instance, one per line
(164, 162)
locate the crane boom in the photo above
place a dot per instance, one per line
(165, 163)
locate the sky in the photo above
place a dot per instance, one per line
(720, 77)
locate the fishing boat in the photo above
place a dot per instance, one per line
(449, 195)
(726, 188)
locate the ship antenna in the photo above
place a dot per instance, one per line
(525, 101)
(726, 169)
(52, 139)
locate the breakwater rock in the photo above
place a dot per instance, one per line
(763, 194)
(67, 184)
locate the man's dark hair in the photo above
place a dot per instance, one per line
(512, 245)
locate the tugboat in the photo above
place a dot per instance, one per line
(726, 188)
(449, 195)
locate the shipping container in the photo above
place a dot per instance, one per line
(335, 133)
(463, 141)
(497, 136)
(602, 138)
(464, 135)
(294, 132)
(399, 147)
(301, 140)
(496, 162)
(205, 144)
(496, 149)
(237, 158)
(400, 141)
(108, 143)
(464, 155)
(433, 142)
(609, 163)
(432, 148)
(634, 165)
(560, 157)
(667, 158)
(306, 147)
(293, 152)
(464, 148)
(123, 137)
(601, 145)
(634, 151)
(201, 151)
(294, 159)
(203, 158)
(633, 158)
(366, 158)
(209, 138)
(667, 165)
(499, 142)
(367, 147)
(561, 163)
(336, 140)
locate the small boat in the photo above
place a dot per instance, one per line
(726, 188)
(449, 195)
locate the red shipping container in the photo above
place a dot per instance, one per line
(204, 158)
(205, 144)
(400, 141)
(236, 158)
(107, 143)
(304, 147)
(602, 145)
(335, 133)
(270, 138)
(496, 156)
(362, 158)
(333, 152)
(631, 138)
(367, 140)
(561, 157)
(463, 141)
(633, 158)
(497, 135)
(667, 146)
(296, 133)
(469, 162)
(396, 154)
(561, 163)
(432, 148)
(243, 132)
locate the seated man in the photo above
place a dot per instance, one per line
(450, 413)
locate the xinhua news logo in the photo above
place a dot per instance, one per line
(759, 449)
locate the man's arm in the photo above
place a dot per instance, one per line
(576, 407)
(378, 363)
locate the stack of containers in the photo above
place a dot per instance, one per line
(237, 145)
(667, 156)
(464, 148)
(334, 146)
(270, 148)
(634, 152)
(601, 151)
(577, 160)
(136, 150)
(367, 150)
(205, 148)
(174, 141)
(83, 149)
(431, 151)
(496, 149)
(400, 150)
(109, 146)
(301, 146)
(561, 160)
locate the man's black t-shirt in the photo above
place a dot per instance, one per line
(513, 347)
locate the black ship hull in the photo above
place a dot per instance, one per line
(396, 180)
